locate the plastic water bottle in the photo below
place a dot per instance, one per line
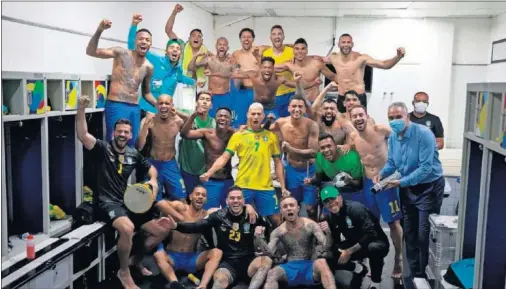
(194, 279)
(30, 247)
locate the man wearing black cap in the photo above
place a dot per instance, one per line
(361, 229)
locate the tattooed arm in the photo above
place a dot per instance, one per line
(269, 249)
(104, 53)
(146, 86)
(321, 239)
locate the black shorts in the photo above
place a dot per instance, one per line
(340, 102)
(108, 212)
(238, 268)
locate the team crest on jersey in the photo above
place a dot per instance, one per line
(266, 138)
(235, 226)
(348, 222)
(428, 123)
(246, 227)
(121, 158)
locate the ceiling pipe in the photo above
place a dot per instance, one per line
(334, 24)
(235, 21)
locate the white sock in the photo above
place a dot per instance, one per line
(358, 268)
(374, 285)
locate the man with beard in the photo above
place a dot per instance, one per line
(215, 142)
(192, 47)
(129, 70)
(309, 66)
(370, 141)
(115, 162)
(180, 251)
(281, 54)
(237, 239)
(364, 236)
(161, 130)
(331, 161)
(300, 142)
(325, 113)
(255, 147)
(298, 235)
(167, 71)
(222, 62)
(265, 84)
(350, 67)
(191, 152)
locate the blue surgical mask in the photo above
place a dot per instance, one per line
(397, 125)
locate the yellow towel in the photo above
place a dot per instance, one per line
(55, 212)
(188, 56)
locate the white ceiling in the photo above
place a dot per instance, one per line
(353, 8)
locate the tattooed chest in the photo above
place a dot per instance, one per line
(129, 73)
(298, 244)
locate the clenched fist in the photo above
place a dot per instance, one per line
(136, 19)
(105, 24)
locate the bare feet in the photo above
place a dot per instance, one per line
(397, 271)
(126, 279)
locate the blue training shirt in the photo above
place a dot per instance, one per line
(165, 75)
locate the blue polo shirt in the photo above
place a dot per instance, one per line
(414, 156)
(165, 75)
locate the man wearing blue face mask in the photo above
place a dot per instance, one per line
(421, 116)
(412, 151)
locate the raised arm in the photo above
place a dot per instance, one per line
(384, 64)
(268, 248)
(83, 135)
(319, 99)
(132, 32)
(169, 27)
(202, 62)
(92, 48)
(146, 124)
(187, 132)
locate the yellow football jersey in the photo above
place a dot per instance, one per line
(254, 150)
(286, 56)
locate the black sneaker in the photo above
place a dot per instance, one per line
(358, 278)
(175, 285)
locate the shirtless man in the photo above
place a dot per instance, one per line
(297, 235)
(325, 113)
(309, 66)
(129, 70)
(350, 67)
(215, 142)
(371, 144)
(351, 99)
(300, 142)
(180, 252)
(266, 83)
(221, 62)
(161, 129)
